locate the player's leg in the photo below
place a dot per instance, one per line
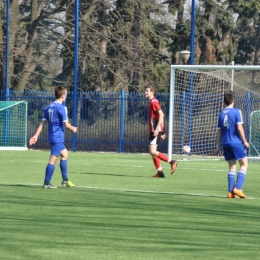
(231, 178)
(164, 157)
(231, 160)
(157, 156)
(64, 164)
(64, 167)
(241, 176)
(153, 143)
(50, 170)
(241, 156)
(156, 161)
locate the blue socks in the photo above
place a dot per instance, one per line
(231, 181)
(48, 173)
(241, 176)
(64, 169)
(50, 170)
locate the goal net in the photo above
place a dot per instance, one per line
(196, 98)
(13, 125)
(254, 138)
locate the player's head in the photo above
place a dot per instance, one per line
(150, 90)
(61, 92)
(228, 98)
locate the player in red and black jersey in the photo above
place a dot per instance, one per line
(156, 132)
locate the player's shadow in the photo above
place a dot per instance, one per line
(178, 194)
(114, 174)
(20, 185)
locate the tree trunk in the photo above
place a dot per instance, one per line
(135, 49)
(102, 66)
(14, 24)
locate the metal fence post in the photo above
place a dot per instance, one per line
(183, 113)
(248, 113)
(122, 121)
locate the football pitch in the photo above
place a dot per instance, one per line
(117, 211)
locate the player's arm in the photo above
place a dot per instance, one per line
(241, 132)
(64, 114)
(160, 122)
(34, 139)
(216, 152)
(70, 127)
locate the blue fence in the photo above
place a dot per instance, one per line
(117, 122)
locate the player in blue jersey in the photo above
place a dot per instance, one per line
(55, 115)
(231, 134)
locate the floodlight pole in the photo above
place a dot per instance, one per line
(75, 80)
(7, 92)
(192, 32)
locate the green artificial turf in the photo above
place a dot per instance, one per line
(117, 211)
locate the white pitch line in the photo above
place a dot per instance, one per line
(153, 192)
(130, 166)
(211, 170)
(79, 163)
(204, 170)
(127, 190)
(124, 165)
(157, 192)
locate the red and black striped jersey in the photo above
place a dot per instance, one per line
(153, 115)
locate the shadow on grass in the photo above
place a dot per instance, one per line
(20, 185)
(178, 194)
(114, 174)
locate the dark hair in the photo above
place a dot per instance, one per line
(228, 97)
(59, 91)
(151, 87)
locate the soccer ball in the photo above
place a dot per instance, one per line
(186, 149)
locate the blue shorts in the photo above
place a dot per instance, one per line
(57, 148)
(235, 151)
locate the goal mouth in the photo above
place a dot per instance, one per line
(13, 125)
(196, 98)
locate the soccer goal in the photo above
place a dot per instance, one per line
(196, 98)
(254, 149)
(13, 125)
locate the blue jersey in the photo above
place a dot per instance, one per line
(56, 115)
(227, 122)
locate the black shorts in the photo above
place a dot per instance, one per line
(154, 139)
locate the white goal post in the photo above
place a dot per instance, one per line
(196, 98)
(254, 140)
